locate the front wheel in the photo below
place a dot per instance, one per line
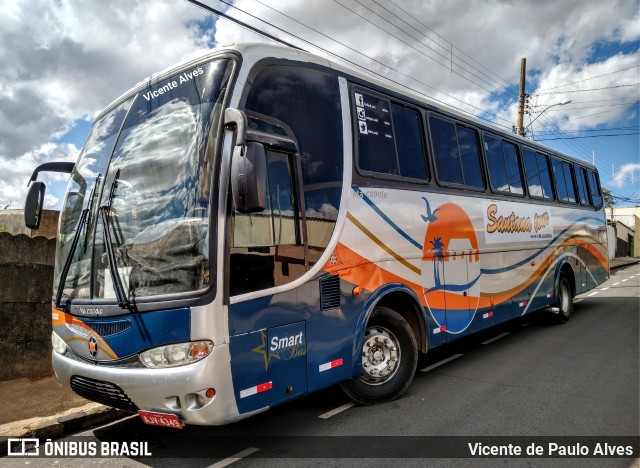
(389, 359)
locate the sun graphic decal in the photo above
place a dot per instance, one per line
(450, 267)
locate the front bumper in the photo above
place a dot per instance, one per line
(173, 390)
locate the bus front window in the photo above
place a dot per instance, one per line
(155, 185)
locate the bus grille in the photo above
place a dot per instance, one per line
(330, 292)
(110, 328)
(102, 392)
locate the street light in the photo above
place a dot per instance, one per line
(545, 110)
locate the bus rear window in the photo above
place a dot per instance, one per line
(581, 178)
(594, 189)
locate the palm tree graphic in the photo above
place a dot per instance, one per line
(437, 247)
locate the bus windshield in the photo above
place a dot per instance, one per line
(146, 165)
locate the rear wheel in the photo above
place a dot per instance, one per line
(389, 359)
(565, 299)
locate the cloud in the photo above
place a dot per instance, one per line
(626, 174)
(71, 58)
(16, 172)
(416, 38)
(67, 60)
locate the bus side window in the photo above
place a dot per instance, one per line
(545, 176)
(457, 153)
(581, 177)
(504, 168)
(564, 181)
(445, 148)
(569, 180)
(389, 137)
(409, 142)
(536, 167)
(594, 189)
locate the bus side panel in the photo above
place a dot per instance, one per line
(330, 334)
(249, 370)
(325, 349)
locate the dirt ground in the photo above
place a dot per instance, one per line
(24, 398)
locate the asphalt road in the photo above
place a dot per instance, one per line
(516, 383)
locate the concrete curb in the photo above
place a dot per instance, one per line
(63, 424)
(620, 265)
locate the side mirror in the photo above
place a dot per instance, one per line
(33, 205)
(249, 178)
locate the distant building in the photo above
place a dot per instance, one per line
(12, 221)
(627, 221)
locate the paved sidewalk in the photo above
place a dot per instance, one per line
(44, 408)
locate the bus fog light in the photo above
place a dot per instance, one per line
(58, 343)
(175, 355)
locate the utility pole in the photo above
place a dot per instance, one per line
(521, 97)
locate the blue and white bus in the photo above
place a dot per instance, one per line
(261, 223)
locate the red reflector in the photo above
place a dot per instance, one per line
(264, 387)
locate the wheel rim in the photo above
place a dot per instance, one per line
(380, 356)
(565, 297)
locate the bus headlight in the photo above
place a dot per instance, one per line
(176, 354)
(58, 343)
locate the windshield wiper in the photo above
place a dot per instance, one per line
(82, 224)
(121, 295)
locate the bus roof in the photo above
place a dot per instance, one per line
(251, 52)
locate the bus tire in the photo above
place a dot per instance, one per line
(565, 299)
(389, 359)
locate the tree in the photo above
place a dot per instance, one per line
(609, 200)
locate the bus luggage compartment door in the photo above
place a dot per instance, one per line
(287, 347)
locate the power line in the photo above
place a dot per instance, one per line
(557, 130)
(580, 150)
(241, 23)
(253, 29)
(634, 98)
(504, 89)
(589, 136)
(568, 108)
(444, 39)
(604, 112)
(592, 78)
(599, 129)
(585, 90)
(383, 77)
(406, 43)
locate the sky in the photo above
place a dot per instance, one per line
(64, 61)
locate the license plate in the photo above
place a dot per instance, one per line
(161, 419)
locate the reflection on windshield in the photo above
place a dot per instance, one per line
(155, 189)
(83, 187)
